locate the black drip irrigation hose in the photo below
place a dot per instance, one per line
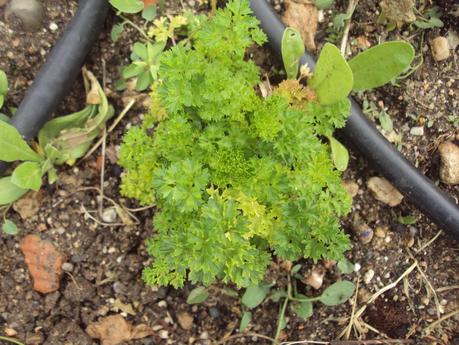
(62, 66)
(382, 155)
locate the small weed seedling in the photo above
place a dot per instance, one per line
(289, 298)
(61, 140)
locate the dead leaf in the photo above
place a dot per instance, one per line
(126, 308)
(114, 330)
(303, 16)
(398, 11)
(44, 262)
(29, 205)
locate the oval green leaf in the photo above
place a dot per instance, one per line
(128, 6)
(13, 147)
(197, 295)
(27, 175)
(9, 227)
(254, 295)
(9, 192)
(380, 64)
(337, 293)
(3, 83)
(246, 318)
(303, 309)
(340, 154)
(345, 266)
(332, 79)
(292, 49)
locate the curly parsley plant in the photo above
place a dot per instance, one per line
(236, 177)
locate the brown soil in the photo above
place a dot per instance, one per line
(106, 261)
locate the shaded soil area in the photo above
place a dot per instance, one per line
(104, 262)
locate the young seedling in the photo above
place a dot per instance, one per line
(61, 140)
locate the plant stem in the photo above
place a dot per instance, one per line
(214, 6)
(280, 319)
(11, 340)
(350, 10)
(135, 26)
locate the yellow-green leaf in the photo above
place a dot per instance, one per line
(27, 176)
(9, 192)
(13, 147)
(332, 79)
(380, 64)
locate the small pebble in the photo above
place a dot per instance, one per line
(185, 320)
(380, 232)
(384, 191)
(368, 276)
(30, 12)
(162, 304)
(418, 131)
(10, 332)
(109, 215)
(440, 48)
(67, 267)
(449, 168)
(53, 26)
(163, 334)
(357, 267)
(363, 232)
(315, 279)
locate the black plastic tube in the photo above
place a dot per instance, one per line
(60, 70)
(382, 155)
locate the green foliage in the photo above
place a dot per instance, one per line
(61, 140)
(340, 155)
(245, 320)
(292, 50)
(407, 220)
(3, 87)
(197, 295)
(13, 147)
(337, 293)
(332, 78)
(9, 227)
(431, 19)
(380, 64)
(345, 266)
(127, 6)
(10, 191)
(234, 177)
(144, 64)
(324, 4)
(254, 295)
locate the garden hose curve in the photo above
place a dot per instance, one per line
(382, 155)
(60, 70)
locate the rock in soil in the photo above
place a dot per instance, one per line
(449, 169)
(303, 16)
(185, 320)
(44, 262)
(30, 12)
(384, 191)
(351, 187)
(363, 232)
(316, 278)
(440, 48)
(114, 330)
